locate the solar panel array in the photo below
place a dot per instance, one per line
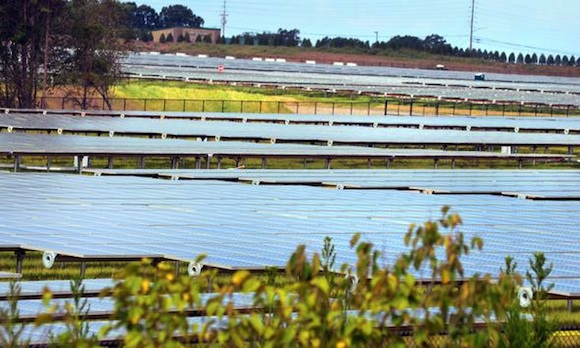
(34, 289)
(563, 125)
(534, 184)
(281, 132)
(17, 145)
(255, 226)
(445, 84)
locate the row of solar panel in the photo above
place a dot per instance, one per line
(121, 217)
(276, 132)
(18, 146)
(339, 79)
(386, 74)
(492, 123)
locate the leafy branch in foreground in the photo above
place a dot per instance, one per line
(320, 307)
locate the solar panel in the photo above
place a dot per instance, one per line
(103, 307)
(59, 288)
(18, 144)
(368, 79)
(9, 275)
(249, 226)
(534, 184)
(277, 132)
(495, 123)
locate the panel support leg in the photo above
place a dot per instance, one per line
(83, 269)
(20, 254)
(327, 163)
(17, 160)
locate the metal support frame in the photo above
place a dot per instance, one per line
(327, 163)
(17, 161)
(83, 269)
(20, 254)
(175, 162)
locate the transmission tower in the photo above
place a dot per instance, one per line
(471, 27)
(224, 16)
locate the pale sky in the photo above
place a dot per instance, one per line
(505, 25)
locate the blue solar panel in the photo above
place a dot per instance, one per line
(247, 226)
(282, 132)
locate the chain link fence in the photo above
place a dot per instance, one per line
(388, 106)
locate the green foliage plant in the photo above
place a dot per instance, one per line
(529, 327)
(11, 331)
(320, 307)
(74, 315)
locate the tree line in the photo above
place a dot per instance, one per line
(432, 44)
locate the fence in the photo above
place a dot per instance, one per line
(384, 106)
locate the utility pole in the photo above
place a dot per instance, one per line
(471, 27)
(376, 36)
(224, 16)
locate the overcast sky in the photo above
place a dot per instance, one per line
(505, 25)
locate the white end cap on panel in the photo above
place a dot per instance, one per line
(194, 269)
(48, 258)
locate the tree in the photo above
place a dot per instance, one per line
(528, 59)
(436, 44)
(520, 59)
(306, 43)
(288, 38)
(145, 17)
(169, 38)
(187, 37)
(405, 42)
(534, 58)
(162, 38)
(558, 60)
(207, 39)
(179, 16)
(565, 60)
(512, 58)
(93, 50)
(503, 57)
(27, 31)
(550, 60)
(572, 61)
(542, 59)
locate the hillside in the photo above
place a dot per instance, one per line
(403, 59)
